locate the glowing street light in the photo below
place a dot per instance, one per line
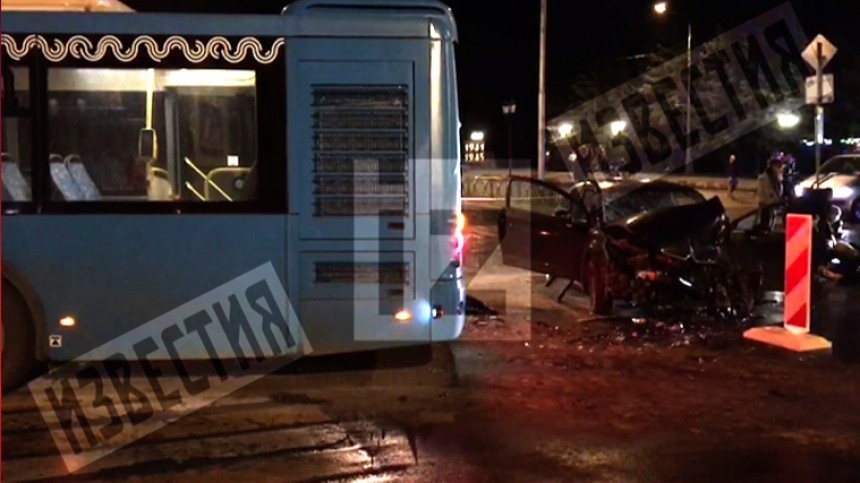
(787, 120)
(661, 8)
(617, 127)
(477, 136)
(565, 130)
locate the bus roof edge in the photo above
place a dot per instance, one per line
(427, 8)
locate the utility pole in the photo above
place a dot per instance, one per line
(542, 95)
(662, 8)
(687, 159)
(819, 108)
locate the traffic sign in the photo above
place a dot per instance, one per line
(810, 53)
(828, 92)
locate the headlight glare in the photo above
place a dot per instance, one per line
(842, 193)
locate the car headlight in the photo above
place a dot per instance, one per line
(798, 191)
(842, 193)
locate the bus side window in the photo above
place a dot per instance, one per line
(16, 134)
(10, 98)
(156, 134)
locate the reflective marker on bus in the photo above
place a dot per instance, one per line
(150, 158)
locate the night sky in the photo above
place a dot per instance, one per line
(498, 50)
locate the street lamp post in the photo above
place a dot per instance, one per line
(542, 94)
(509, 110)
(688, 163)
(662, 8)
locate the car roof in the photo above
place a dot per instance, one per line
(612, 186)
(634, 184)
(843, 156)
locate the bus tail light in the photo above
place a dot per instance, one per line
(437, 312)
(459, 238)
(68, 321)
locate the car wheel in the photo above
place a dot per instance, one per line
(600, 301)
(16, 340)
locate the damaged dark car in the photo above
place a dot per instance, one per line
(651, 245)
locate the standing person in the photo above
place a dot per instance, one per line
(734, 174)
(789, 176)
(769, 193)
(585, 158)
(603, 160)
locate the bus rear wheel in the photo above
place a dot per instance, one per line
(16, 340)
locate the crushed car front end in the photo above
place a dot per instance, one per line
(678, 258)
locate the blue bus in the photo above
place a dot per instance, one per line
(151, 158)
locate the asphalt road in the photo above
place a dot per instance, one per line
(538, 392)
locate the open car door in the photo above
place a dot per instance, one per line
(541, 228)
(753, 249)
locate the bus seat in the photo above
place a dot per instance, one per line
(15, 187)
(64, 183)
(82, 178)
(158, 188)
(97, 171)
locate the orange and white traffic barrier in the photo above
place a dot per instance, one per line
(798, 273)
(794, 334)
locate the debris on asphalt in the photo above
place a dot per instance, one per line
(660, 332)
(476, 308)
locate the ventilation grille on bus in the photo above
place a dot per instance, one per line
(392, 273)
(361, 151)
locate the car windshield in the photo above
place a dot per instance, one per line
(643, 200)
(850, 166)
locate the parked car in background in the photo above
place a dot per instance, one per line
(842, 175)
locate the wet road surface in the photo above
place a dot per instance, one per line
(538, 392)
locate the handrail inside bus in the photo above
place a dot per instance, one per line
(196, 193)
(159, 173)
(207, 181)
(210, 177)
